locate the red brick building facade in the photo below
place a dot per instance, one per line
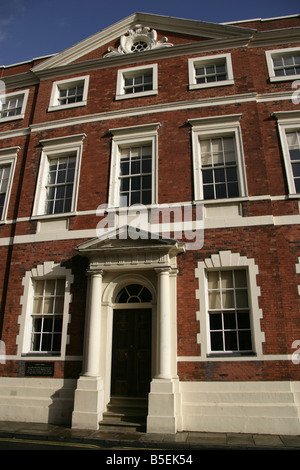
(172, 114)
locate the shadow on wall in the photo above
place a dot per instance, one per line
(61, 408)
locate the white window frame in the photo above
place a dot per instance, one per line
(47, 270)
(8, 156)
(61, 84)
(288, 121)
(7, 96)
(135, 71)
(53, 148)
(222, 261)
(270, 65)
(214, 127)
(207, 60)
(126, 137)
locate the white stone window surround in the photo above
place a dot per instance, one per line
(218, 126)
(126, 137)
(136, 71)
(68, 83)
(17, 94)
(207, 60)
(8, 156)
(53, 148)
(288, 121)
(47, 270)
(279, 53)
(228, 260)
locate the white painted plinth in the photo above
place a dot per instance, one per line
(164, 408)
(88, 403)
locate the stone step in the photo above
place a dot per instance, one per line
(125, 414)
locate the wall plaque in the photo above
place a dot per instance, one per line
(39, 369)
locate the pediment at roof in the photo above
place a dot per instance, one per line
(140, 33)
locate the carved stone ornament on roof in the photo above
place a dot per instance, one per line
(138, 39)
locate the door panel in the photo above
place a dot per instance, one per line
(131, 355)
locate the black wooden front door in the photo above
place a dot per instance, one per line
(131, 354)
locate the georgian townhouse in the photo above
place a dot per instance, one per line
(149, 234)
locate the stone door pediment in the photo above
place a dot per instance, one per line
(117, 249)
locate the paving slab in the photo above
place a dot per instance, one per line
(268, 440)
(207, 438)
(245, 440)
(291, 441)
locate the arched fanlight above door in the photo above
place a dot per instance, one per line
(133, 293)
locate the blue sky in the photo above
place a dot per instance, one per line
(34, 28)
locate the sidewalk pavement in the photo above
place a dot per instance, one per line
(185, 441)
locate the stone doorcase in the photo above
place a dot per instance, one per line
(115, 262)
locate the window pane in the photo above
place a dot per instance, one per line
(243, 320)
(228, 299)
(146, 165)
(146, 182)
(48, 305)
(229, 321)
(220, 175)
(200, 71)
(146, 197)
(245, 342)
(297, 185)
(38, 305)
(46, 342)
(242, 298)
(295, 154)
(39, 287)
(215, 321)
(124, 168)
(231, 174)
(233, 190)
(221, 191)
(146, 151)
(292, 139)
(240, 278)
(288, 60)
(47, 325)
(50, 287)
(59, 305)
(296, 169)
(231, 341)
(135, 183)
(60, 286)
(277, 61)
(209, 192)
(207, 176)
(128, 81)
(124, 184)
(214, 300)
(135, 197)
(213, 279)
(216, 339)
(36, 338)
(135, 167)
(56, 342)
(220, 68)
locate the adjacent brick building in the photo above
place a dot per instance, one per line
(200, 123)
